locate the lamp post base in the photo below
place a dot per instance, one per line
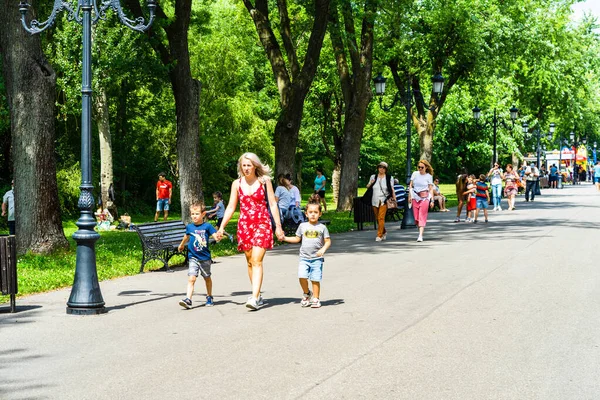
(408, 219)
(86, 311)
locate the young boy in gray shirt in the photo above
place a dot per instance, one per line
(315, 242)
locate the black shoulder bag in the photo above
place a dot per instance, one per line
(273, 226)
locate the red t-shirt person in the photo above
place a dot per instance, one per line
(163, 189)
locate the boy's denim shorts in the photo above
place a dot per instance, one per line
(482, 203)
(162, 204)
(196, 267)
(311, 269)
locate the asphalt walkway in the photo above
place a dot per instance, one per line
(504, 310)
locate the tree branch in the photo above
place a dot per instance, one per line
(339, 53)
(260, 16)
(286, 36)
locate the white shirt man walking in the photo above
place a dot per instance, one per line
(532, 174)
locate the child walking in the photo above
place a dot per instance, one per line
(218, 210)
(483, 197)
(199, 257)
(315, 242)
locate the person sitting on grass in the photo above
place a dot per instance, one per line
(199, 257)
(315, 242)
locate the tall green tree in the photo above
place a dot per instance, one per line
(30, 83)
(355, 82)
(293, 79)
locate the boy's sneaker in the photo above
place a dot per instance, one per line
(252, 304)
(474, 221)
(185, 303)
(315, 303)
(457, 219)
(306, 297)
(209, 301)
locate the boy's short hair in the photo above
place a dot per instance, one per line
(162, 174)
(482, 177)
(313, 203)
(199, 205)
(218, 194)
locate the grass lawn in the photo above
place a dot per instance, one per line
(119, 253)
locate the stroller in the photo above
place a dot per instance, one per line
(292, 218)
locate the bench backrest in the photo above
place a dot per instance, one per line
(168, 232)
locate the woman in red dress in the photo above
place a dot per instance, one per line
(255, 234)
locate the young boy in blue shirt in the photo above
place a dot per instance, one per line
(199, 257)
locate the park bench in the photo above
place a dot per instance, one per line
(364, 212)
(160, 241)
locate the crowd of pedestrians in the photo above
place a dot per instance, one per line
(263, 208)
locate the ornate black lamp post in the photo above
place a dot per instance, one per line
(514, 111)
(407, 101)
(86, 297)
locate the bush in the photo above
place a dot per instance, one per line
(68, 180)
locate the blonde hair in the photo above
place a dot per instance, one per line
(262, 170)
(428, 167)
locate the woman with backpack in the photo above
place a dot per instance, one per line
(383, 191)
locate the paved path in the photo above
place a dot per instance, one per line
(505, 310)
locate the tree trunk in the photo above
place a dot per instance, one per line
(31, 83)
(335, 182)
(425, 125)
(106, 159)
(187, 103)
(356, 88)
(286, 133)
(353, 131)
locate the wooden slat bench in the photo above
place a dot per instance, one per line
(160, 241)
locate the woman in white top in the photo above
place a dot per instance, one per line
(420, 194)
(383, 189)
(293, 190)
(497, 176)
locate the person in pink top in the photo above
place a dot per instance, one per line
(420, 194)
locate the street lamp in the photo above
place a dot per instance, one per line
(514, 111)
(407, 102)
(86, 297)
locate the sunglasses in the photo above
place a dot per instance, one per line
(421, 167)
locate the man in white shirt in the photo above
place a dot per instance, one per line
(532, 175)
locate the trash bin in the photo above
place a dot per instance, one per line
(8, 269)
(362, 213)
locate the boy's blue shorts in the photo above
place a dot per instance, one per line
(482, 203)
(311, 269)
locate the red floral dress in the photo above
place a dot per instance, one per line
(254, 225)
